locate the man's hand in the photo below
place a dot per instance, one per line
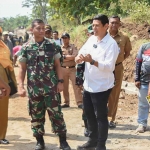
(22, 92)
(3, 93)
(60, 87)
(81, 58)
(80, 87)
(5, 89)
(138, 84)
(88, 58)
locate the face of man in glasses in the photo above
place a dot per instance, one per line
(114, 24)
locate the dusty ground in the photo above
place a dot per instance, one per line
(122, 138)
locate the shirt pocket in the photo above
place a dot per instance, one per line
(121, 46)
(49, 58)
(31, 57)
(70, 51)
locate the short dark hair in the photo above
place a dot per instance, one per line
(55, 32)
(36, 21)
(102, 18)
(115, 16)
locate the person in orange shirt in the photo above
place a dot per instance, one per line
(5, 65)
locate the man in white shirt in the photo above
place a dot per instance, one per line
(99, 54)
(56, 38)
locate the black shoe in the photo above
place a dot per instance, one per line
(64, 146)
(40, 143)
(80, 106)
(88, 146)
(100, 148)
(40, 146)
(4, 141)
(86, 132)
(63, 143)
(65, 106)
(112, 125)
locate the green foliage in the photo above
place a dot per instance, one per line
(39, 8)
(137, 10)
(9, 24)
(77, 33)
(78, 9)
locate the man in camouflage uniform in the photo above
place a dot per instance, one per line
(40, 58)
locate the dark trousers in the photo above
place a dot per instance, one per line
(95, 106)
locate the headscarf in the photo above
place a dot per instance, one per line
(5, 55)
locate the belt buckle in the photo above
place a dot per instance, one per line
(67, 67)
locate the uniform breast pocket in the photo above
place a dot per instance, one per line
(121, 46)
(49, 58)
(70, 51)
(31, 57)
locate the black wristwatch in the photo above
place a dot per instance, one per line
(61, 80)
(92, 62)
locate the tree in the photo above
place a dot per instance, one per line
(9, 24)
(79, 9)
(39, 8)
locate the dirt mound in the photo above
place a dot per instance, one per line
(140, 30)
(137, 32)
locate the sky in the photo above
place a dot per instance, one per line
(12, 8)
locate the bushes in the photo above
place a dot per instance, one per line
(137, 11)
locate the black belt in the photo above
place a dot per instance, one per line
(118, 64)
(68, 66)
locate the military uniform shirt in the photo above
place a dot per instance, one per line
(41, 74)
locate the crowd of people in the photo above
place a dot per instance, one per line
(95, 71)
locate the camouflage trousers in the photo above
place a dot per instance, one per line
(37, 108)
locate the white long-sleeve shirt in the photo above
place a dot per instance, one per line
(105, 52)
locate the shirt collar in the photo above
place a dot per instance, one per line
(33, 42)
(118, 34)
(67, 46)
(105, 38)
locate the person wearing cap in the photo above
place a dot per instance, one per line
(69, 71)
(48, 32)
(57, 40)
(8, 42)
(80, 80)
(90, 30)
(124, 44)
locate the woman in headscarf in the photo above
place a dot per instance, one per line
(5, 65)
